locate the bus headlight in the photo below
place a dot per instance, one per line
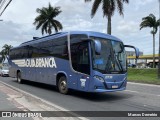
(99, 78)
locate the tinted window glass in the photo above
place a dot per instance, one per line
(112, 59)
(80, 57)
(77, 38)
(19, 53)
(57, 48)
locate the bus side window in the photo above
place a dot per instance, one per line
(11, 54)
(80, 57)
(56, 48)
(60, 48)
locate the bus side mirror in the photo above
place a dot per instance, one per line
(136, 50)
(98, 47)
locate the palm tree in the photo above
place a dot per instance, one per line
(150, 21)
(108, 8)
(46, 20)
(159, 46)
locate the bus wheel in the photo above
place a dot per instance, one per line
(62, 85)
(19, 79)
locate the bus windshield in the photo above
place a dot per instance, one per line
(112, 59)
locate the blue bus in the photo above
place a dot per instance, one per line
(80, 60)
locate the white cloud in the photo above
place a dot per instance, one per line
(18, 27)
(14, 34)
(141, 3)
(128, 27)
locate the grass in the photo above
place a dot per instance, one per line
(143, 76)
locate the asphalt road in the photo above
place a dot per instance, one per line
(137, 97)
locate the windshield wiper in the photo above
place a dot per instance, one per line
(119, 63)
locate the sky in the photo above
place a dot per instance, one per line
(17, 25)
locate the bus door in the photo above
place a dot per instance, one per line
(81, 64)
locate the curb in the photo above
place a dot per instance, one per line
(143, 84)
(36, 98)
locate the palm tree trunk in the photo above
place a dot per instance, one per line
(49, 29)
(109, 25)
(153, 50)
(159, 47)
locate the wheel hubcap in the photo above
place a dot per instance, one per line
(19, 79)
(63, 85)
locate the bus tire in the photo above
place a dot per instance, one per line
(19, 79)
(62, 85)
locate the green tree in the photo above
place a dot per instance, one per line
(5, 51)
(108, 8)
(7, 48)
(45, 20)
(151, 22)
(2, 53)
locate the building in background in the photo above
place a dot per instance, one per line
(131, 54)
(144, 61)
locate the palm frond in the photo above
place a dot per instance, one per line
(126, 1)
(158, 23)
(44, 28)
(87, 0)
(120, 6)
(95, 7)
(150, 21)
(57, 25)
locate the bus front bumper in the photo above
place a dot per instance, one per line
(109, 90)
(107, 87)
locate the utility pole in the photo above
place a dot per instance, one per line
(159, 46)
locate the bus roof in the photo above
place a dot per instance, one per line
(61, 34)
(96, 34)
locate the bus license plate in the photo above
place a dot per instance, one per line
(114, 86)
